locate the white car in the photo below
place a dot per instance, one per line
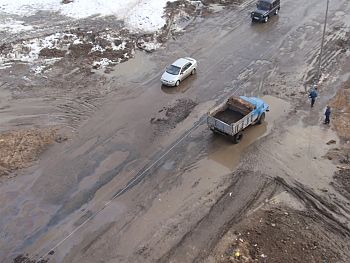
(178, 71)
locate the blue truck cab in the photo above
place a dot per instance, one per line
(260, 107)
(237, 113)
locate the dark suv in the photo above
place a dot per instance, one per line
(265, 9)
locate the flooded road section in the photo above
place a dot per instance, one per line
(135, 178)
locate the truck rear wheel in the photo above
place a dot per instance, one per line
(237, 137)
(261, 118)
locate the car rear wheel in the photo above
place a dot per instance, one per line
(177, 83)
(266, 19)
(193, 71)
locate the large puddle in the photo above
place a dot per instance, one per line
(226, 156)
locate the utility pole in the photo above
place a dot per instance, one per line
(319, 73)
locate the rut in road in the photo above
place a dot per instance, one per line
(246, 192)
(325, 212)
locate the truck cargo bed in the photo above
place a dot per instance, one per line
(235, 114)
(229, 116)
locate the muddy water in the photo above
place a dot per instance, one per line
(135, 68)
(223, 152)
(304, 149)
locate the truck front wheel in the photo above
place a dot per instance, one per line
(237, 137)
(261, 118)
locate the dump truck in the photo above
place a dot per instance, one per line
(235, 114)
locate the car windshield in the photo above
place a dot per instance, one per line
(173, 70)
(263, 5)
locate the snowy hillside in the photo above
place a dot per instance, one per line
(144, 15)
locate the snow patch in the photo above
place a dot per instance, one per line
(14, 26)
(28, 50)
(144, 15)
(151, 46)
(104, 62)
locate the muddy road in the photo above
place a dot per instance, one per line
(137, 182)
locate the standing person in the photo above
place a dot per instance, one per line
(327, 114)
(313, 95)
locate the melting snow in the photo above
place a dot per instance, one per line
(144, 15)
(102, 63)
(13, 26)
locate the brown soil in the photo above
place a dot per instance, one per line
(229, 116)
(222, 2)
(277, 235)
(341, 112)
(342, 182)
(52, 53)
(25, 259)
(80, 50)
(341, 155)
(170, 116)
(18, 149)
(343, 43)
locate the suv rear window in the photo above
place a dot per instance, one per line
(263, 5)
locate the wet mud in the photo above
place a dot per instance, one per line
(170, 116)
(342, 182)
(276, 235)
(26, 259)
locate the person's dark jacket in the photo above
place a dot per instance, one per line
(313, 94)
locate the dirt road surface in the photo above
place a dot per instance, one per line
(136, 182)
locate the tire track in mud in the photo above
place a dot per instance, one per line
(73, 111)
(330, 53)
(248, 188)
(224, 213)
(321, 209)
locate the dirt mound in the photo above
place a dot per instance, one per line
(80, 50)
(52, 53)
(170, 116)
(343, 43)
(222, 2)
(342, 182)
(18, 149)
(339, 155)
(276, 236)
(25, 259)
(341, 112)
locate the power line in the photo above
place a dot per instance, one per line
(322, 43)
